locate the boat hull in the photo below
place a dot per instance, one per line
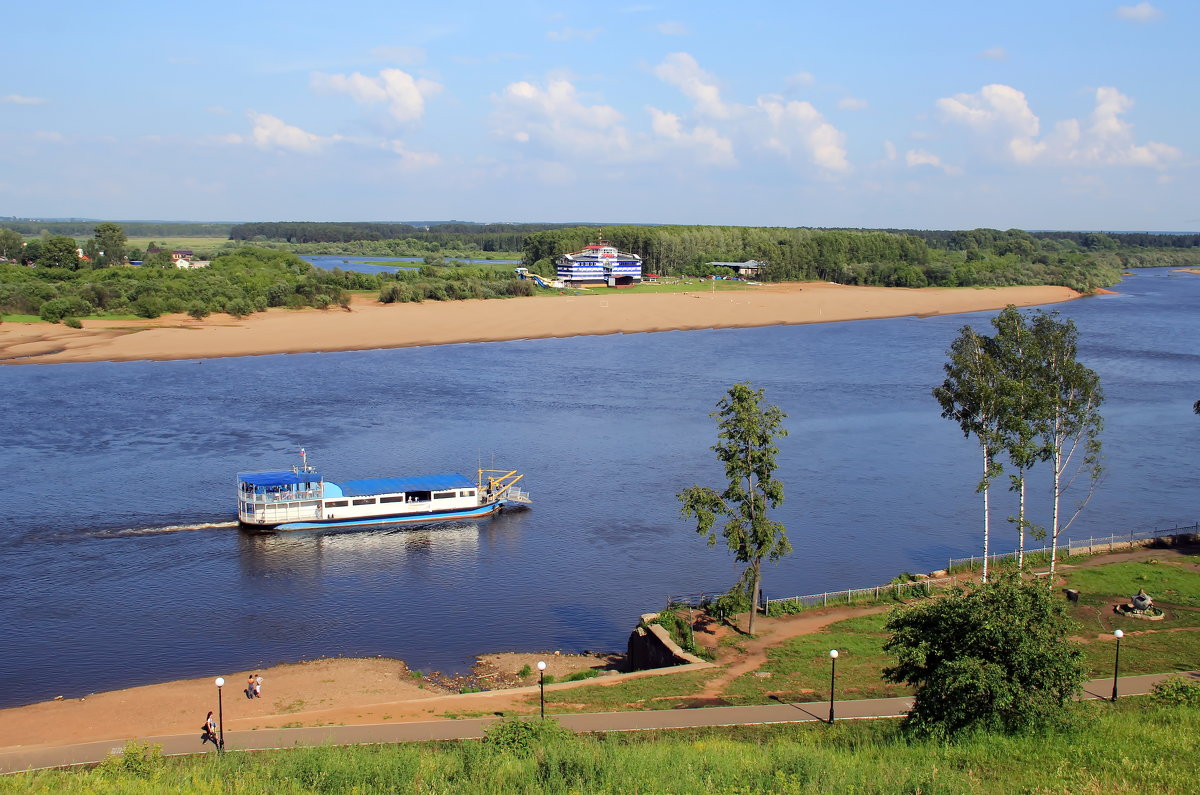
(390, 519)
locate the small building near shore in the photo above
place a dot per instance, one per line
(751, 268)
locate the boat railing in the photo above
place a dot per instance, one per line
(281, 496)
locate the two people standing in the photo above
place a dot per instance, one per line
(254, 686)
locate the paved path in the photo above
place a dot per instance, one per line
(173, 745)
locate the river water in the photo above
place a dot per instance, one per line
(120, 565)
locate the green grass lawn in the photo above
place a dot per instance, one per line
(649, 692)
(1130, 747)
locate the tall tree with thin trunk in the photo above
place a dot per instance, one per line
(1071, 422)
(746, 434)
(1023, 406)
(969, 396)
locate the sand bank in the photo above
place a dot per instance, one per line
(370, 325)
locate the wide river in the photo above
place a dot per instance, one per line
(119, 564)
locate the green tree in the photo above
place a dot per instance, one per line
(59, 251)
(1023, 406)
(1071, 422)
(11, 244)
(746, 433)
(970, 397)
(992, 656)
(111, 243)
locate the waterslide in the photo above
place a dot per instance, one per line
(538, 280)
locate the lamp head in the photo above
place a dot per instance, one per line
(541, 666)
(220, 681)
(1118, 634)
(833, 654)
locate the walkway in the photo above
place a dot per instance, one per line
(173, 745)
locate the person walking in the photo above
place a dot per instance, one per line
(210, 732)
(250, 686)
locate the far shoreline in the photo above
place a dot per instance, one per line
(370, 325)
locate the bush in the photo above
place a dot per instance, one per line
(1176, 691)
(520, 737)
(56, 309)
(72, 322)
(148, 306)
(141, 760)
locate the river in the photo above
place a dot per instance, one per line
(120, 565)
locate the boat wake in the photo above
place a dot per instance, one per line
(128, 532)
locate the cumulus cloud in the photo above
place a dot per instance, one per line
(680, 69)
(709, 146)
(271, 133)
(919, 157)
(1141, 13)
(1001, 117)
(555, 118)
(573, 34)
(17, 99)
(409, 159)
(852, 103)
(994, 54)
(797, 129)
(403, 94)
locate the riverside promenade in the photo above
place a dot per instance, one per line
(268, 739)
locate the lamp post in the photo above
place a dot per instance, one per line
(542, 685)
(833, 655)
(220, 682)
(1118, 634)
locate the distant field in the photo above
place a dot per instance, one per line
(193, 243)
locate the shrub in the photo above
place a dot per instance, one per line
(1176, 691)
(148, 306)
(141, 760)
(525, 671)
(56, 309)
(72, 322)
(520, 737)
(199, 311)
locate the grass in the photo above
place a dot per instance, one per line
(1130, 747)
(648, 692)
(1169, 582)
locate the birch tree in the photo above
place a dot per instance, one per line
(1071, 423)
(969, 396)
(746, 433)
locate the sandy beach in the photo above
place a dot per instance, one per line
(369, 324)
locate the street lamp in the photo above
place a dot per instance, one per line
(220, 682)
(542, 685)
(1118, 634)
(833, 655)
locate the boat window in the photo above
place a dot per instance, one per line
(397, 498)
(444, 495)
(336, 503)
(471, 493)
(365, 501)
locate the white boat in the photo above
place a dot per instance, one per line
(599, 263)
(301, 498)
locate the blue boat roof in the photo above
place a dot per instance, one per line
(283, 477)
(443, 482)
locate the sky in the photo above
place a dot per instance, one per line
(1056, 114)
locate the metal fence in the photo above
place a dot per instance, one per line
(900, 589)
(1091, 545)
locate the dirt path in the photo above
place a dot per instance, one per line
(751, 653)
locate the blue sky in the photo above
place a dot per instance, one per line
(1038, 115)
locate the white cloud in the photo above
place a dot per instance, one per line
(1141, 13)
(710, 146)
(573, 34)
(919, 157)
(409, 159)
(792, 126)
(271, 133)
(672, 28)
(852, 103)
(17, 99)
(406, 56)
(799, 80)
(403, 94)
(994, 54)
(681, 70)
(1001, 117)
(889, 150)
(555, 118)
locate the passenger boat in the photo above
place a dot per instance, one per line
(301, 498)
(599, 263)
